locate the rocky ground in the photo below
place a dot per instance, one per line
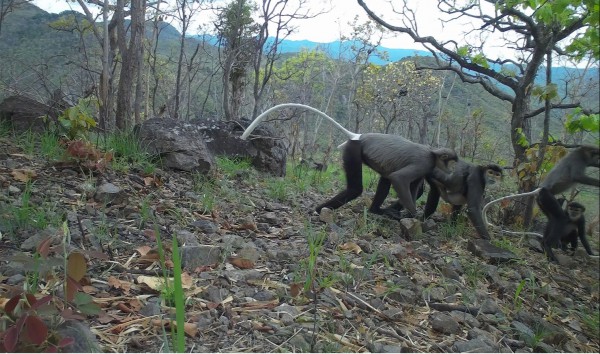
(374, 284)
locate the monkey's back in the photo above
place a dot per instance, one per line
(386, 153)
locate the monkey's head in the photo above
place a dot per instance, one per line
(591, 154)
(575, 210)
(445, 159)
(493, 174)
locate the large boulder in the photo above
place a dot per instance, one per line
(179, 144)
(192, 145)
(24, 113)
(267, 152)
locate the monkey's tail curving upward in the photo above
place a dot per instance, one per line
(349, 134)
(512, 196)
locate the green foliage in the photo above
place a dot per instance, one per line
(207, 189)
(127, 152)
(50, 146)
(25, 214)
(528, 170)
(230, 166)
(179, 340)
(577, 121)
(543, 93)
(277, 188)
(451, 230)
(316, 240)
(78, 120)
(561, 14)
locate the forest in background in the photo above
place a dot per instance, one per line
(42, 52)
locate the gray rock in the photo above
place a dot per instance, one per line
(186, 238)
(464, 317)
(435, 294)
(250, 253)
(473, 346)
(206, 226)
(151, 308)
(179, 144)
(243, 274)
(444, 323)
(264, 295)
(199, 256)
(31, 243)
(215, 294)
(429, 225)
(15, 279)
(109, 193)
(265, 150)
(403, 295)
(233, 241)
(84, 340)
(484, 249)
(522, 329)
(413, 227)
(489, 306)
(12, 190)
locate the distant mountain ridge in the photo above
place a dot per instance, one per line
(342, 49)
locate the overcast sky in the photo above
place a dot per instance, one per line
(329, 26)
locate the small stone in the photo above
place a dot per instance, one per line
(12, 190)
(264, 295)
(199, 256)
(84, 341)
(109, 193)
(326, 216)
(413, 226)
(206, 226)
(489, 306)
(443, 323)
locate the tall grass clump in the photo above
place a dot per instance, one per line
(127, 151)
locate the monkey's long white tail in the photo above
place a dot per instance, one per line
(512, 196)
(351, 135)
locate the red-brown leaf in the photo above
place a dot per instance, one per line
(36, 330)
(11, 337)
(44, 247)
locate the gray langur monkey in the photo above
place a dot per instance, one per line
(465, 186)
(397, 160)
(566, 173)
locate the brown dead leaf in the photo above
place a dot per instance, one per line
(143, 249)
(23, 175)
(247, 226)
(296, 289)
(186, 280)
(191, 329)
(149, 258)
(150, 234)
(380, 289)
(76, 266)
(88, 289)
(241, 263)
(351, 246)
(154, 283)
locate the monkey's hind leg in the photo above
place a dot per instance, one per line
(352, 157)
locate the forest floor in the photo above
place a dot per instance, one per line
(262, 274)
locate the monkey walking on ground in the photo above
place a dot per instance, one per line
(566, 173)
(397, 160)
(465, 186)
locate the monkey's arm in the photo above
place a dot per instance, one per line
(441, 176)
(475, 204)
(590, 181)
(582, 237)
(433, 198)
